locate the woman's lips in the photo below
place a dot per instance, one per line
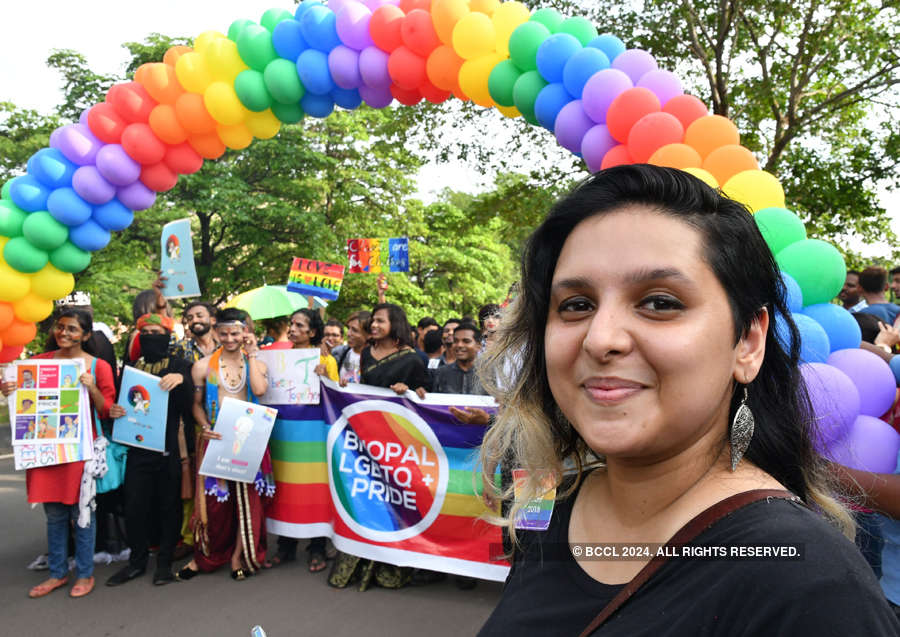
(609, 391)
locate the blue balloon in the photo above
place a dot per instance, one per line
(814, 345)
(51, 168)
(312, 67)
(113, 215)
(317, 105)
(68, 208)
(28, 193)
(609, 44)
(553, 54)
(581, 66)
(346, 98)
(318, 26)
(895, 367)
(305, 6)
(287, 38)
(842, 329)
(793, 294)
(549, 103)
(89, 236)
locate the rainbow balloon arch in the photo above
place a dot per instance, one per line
(607, 104)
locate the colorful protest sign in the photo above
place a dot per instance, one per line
(387, 478)
(536, 514)
(177, 265)
(378, 255)
(245, 429)
(292, 376)
(316, 278)
(146, 411)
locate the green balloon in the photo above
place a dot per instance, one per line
(525, 92)
(43, 231)
(501, 82)
(288, 113)
(70, 258)
(550, 18)
(582, 28)
(283, 82)
(23, 256)
(11, 218)
(250, 87)
(236, 27)
(4, 192)
(255, 47)
(272, 17)
(524, 43)
(817, 267)
(779, 227)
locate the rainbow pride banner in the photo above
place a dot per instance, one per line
(378, 255)
(387, 478)
(317, 278)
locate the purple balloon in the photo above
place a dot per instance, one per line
(835, 402)
(353, 25)
(136, 196)
(376, 97)
(116, 166)
(870, 445)
(374, 4)
(635, 63)
(373, 67)
(91, 186)
(337, 5)
(664, 84)
(343, 63)
(83, 118)
(872, 377)
(596, 143)
(601, 89)
(571, 125)
(77, 143)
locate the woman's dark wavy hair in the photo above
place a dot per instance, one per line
(743, 264)
(399, 324)
(85, 322)
(316, 324)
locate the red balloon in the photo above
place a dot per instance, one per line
(183, 159)
(142, 144)
(406, 69)
(652, 132)
(132, 101)
(616, 156)
(686, 108)
(628, 107)
(10, 353)
(409, 98)
(384, 27)
(417, 32)
(408, 6)
(158, 177)
(106, 123)
(18, 333)
(432, 93)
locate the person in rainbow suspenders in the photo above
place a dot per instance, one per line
(229, 517)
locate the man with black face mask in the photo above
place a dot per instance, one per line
(152, 478)
(199, 340)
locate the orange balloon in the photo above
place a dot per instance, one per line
(616, 156)
(445, 14)
(676, 156)
(18, 333)
(207, 145)
(165, 125)
(6, 315)
(172, 55)
(726, 161)
(161, 82)
(709, 133)
(141, 73)
(192, 114)
(236, 136)
(442, 67)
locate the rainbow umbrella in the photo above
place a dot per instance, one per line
(270, 301)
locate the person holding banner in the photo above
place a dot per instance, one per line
(654, 394)
(229, 517)
(59, 487)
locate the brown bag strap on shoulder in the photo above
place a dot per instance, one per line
(686, 534)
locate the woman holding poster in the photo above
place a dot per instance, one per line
(59, 487)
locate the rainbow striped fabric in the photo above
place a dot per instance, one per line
(387, 478)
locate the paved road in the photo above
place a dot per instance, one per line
(285, 601)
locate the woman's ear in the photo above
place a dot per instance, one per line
(751, 349)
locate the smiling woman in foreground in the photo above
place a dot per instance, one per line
(645, 330)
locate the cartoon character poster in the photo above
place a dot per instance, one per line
(146, 411)
(245, 429)
(177, 267)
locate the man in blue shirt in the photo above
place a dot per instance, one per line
(874, 283)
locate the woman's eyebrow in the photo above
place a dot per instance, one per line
(654, 274)
(571, 283)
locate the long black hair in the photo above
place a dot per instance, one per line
(316, 324)
(399, 331)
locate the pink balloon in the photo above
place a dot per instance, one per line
(343, 63)
(571, 125)
(600, 91)
(373, 67)
(594, 146)
(376, 97)
(652, 132)
(352, 24)
(664, 84)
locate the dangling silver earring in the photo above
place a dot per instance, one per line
(741, 431)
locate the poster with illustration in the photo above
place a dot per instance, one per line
(378, 255)
(292, 376)
(177, 264)
(245, 429)
(146, 411)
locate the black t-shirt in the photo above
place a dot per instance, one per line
(832, 591)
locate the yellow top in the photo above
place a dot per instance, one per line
(331, 370)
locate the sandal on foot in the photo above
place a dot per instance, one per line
(47, 587)
(240, 574)
(82, 587)
(186, 573)
(317, 561)
(283, 558)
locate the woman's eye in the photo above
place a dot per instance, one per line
(575, 305)
(661, 303)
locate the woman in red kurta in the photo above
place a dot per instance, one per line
(58, 487)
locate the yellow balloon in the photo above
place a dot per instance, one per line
(474, 36)
(223, 104)
(444, 15)
(31, 308)
(473, 78)
(263, 125)
(202, 41)
(235, 137)
(703, 175)
(506, 18)
(50, 283)
(487, 7)
(223, 60)
(191, 71)
(756, 189)
(13, 284)
(509, 111)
